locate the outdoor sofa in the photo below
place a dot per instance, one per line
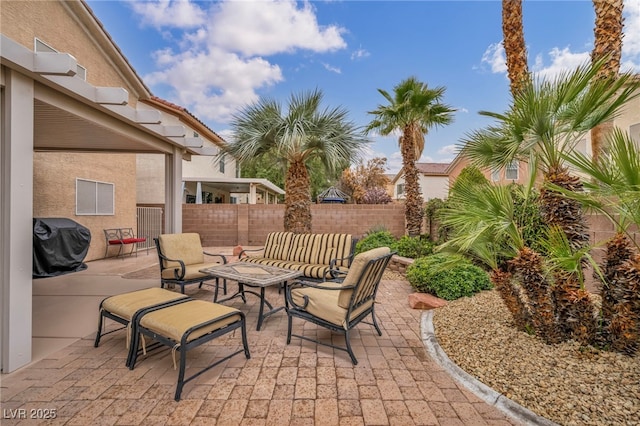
(318, 256)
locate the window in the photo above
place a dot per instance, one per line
(400, 189)
(41, 46)
(222, 163)
(94, 198)
(495, 175)
(511, 172)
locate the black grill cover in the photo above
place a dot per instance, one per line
(59, 246)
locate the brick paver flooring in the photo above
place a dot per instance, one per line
(394, 383)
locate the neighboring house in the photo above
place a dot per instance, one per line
(209, 178)
(73, 120)
(433, 180)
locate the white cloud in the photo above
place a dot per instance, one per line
(562, 61)
(331, 68)
(449, 150)
(359, 54)
(495, 57)
(266, 28)
(221, 62)
(631, 40)
(173, 13)
(395, 162)
(213, 84)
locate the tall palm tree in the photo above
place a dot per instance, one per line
(607, 44)
(300, 134)
(515, 48)
(413, 109)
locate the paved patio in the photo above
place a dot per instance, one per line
(395, 382)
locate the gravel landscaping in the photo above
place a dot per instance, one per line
(565, 383)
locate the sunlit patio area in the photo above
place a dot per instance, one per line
(395, 382)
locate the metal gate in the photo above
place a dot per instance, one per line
(149, 225)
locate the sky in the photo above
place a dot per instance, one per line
(217, 57)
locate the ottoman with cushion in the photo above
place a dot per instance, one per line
(123, 307)
(185, 326)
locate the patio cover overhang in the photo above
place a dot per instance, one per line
(239, 185)
(45, 107)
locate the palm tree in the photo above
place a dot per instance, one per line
(301, 134)
(607, 44)
(613, 185)
(412, 110)
(515, 48)
(546, 120)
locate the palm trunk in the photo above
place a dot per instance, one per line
(573, 306)
(413, 203)
(620, 292)
(607, 42)
(297, 215)
(511, 298)
(515, 48)
(528, 268)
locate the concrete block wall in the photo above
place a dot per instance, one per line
(217, 224)
(249, 224)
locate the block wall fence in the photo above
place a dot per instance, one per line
(249, 224)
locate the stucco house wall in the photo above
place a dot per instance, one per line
(55, 173)
(54, 183)
(432, 178)
(51, 22)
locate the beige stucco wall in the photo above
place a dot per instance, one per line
(430, 186)
(55, 173)
(630, 117)
(50, 22)
(150, 178)
(55, 192)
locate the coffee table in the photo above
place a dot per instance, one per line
(252, 275)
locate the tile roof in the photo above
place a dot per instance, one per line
(432, 168)
(183, 112)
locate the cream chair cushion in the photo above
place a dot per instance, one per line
(359, 262)
(174, 321)
(186, 247)
(324, 303)
(127, 304)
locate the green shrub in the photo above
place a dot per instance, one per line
(374, 240)
(413, 247)
(433, 274)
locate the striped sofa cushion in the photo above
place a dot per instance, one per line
(331, 246)
(309, 253)
(278, 245)
(302, 246)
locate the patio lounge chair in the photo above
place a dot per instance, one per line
(181, 258)
(339, 306)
